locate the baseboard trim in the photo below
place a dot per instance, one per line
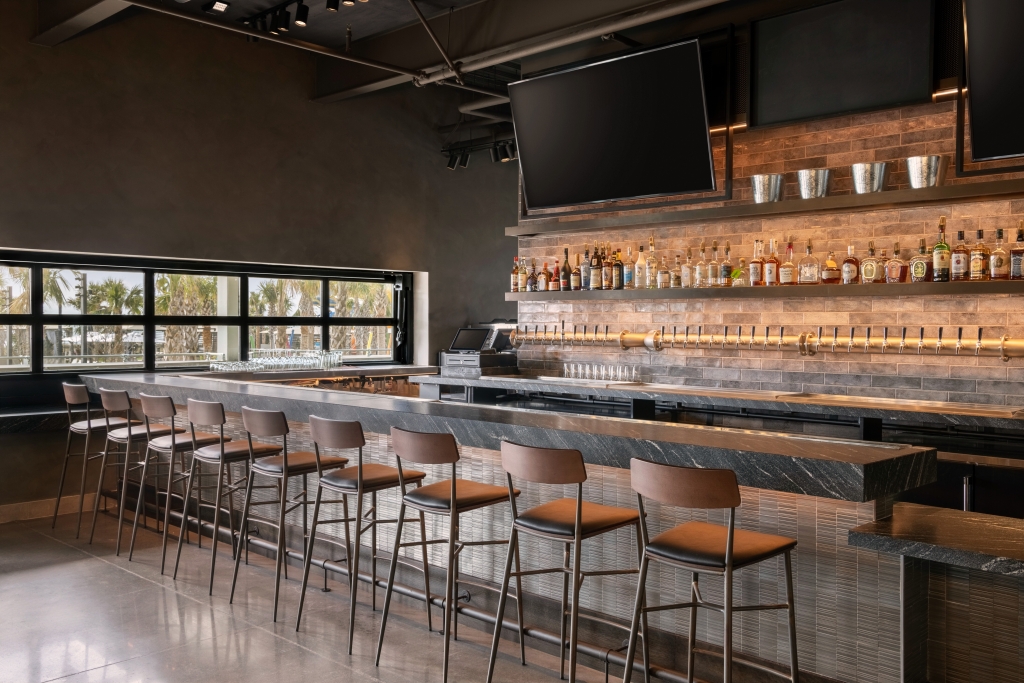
(36, 509)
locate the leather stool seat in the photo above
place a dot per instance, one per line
(558, 518)
(469, 495)
(375, 478)
(84, 426)
(183, 443)
(700, 544)
(155, 430)
(299, 462)
(235, 450)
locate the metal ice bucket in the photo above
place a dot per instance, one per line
(813, 182)
(767, 187)
(869, 177)
(927, 171)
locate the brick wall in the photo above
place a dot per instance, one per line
(887, 135)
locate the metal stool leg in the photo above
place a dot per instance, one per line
(794, 667)
(638, 605)
(391, 581)
(216, 521)
(99, 490)
(124, 495)
(192, 474)
(727, 636)
(348, 545)
(140, 504)
(167, 511)
(243, 534)
(519, 606)
(502, 597)
(60, 485)
(643, 612)
(565, 609)
(353, 569)
(692, 635)
(426, 570)
(280, 544)
(373, 559)
(81, 493)
(577, 580)
(449, 589)
(309, 555)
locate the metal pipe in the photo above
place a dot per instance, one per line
(473, 108)
(568, 36)
(437, 43)
(301, 44)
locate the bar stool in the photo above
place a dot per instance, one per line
(222, 455)
(566, 520)
(704, 548)
(272, 423)
(169, 445)
(368, 478)
(436, 498)
(77, 398)
(115, 401)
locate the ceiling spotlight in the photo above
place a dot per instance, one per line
(348, 3)
(284, 21)
(495, 158)
(301, 14)
(332, 5)
(464, 159)
(503, 153)
(513, 153)
(261, 24)
(216, 7)
(453, 161)
(274, 21)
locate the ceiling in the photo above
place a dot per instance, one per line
(327, 28)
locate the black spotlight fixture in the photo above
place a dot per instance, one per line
(284, 21)
(513, 153)
(301, 15)
(495, 157)
(261, 24)
(216, 7)
(453, 160)
(274, 20)
(332, 5)
(503, 154)
(348, 3)
(464, 159)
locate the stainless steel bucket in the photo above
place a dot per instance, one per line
(927, 171)
(813, 182)
(767, 187)
(869, 177)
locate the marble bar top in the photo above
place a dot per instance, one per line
(832, 468)
(971, 540)
(890, 410)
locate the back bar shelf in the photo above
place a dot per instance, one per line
(780, 292)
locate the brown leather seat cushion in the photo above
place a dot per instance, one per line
(703, 545)
(375, 477)
(468, 495)
(558, 518)
(155, 430)
(236, 450)
(299, 462)
(93, 425)
(183, 442)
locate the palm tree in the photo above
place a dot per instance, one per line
(309, 292)
(54, 288)
(114, 297)
(274, 295)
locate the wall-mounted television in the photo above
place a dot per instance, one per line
(995, 63)
(622, 128)
(839, 58)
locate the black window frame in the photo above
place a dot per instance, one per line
(400, 320)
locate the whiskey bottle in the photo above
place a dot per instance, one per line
(851, 267)
(757, 266)
(628, 279)
(686, 270)
(869, 266)
(998, 260)
(771, 266)
(664, 277)
(700, 271)
(575, 277)
(921, 265)
(640, 270)
(713, 269)
(979, 258)
(606, 269)
(941, 255)
(542, 278)
(725, 268)
(565, 275)
(617, 282)
(515, 274)
(651, 269)
(831, 271)
(554, 282)
(675, 276)
(524, 276)
(585, 268)
(1017, 254)
(788, 271)
(809, 269)
(896, 268)
(959, 259)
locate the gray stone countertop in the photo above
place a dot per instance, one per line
(890, 410)
(833, 468)
(972, 540)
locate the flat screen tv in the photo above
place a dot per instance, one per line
(995, 63)
(627, 127)
(843, 57)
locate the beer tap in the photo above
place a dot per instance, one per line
(977, 347)
(867, 341)
(835, 334)
(903, 340)
(817, 340)
(673, 344)
(765, 348)
(959, 339)
(849, 347)
(938, 343)
(920, 342)
(753, 331)
(573, 340)
(700, 330)
(725, 337)
(562, 337)
(661, 339)
(535, 333)
(782, 331)
(686, 336)
(885, 339)
(711, 341)
(605, 342)
(739, 336)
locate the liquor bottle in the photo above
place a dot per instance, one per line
(725, 268)
(542, 278)
(831, 271)
(714, 267)
(554, 281)
(922, 264)
(1017, 254)
(979, 258)
(606, 269)
(851, 267)
(757, 266)
(651, 269)
(787, 271)
(741, 276)
(640, 270)
(585, 268)
(664, 277)
(686, 270)
(565, 275)
(628, 266)
(998, 260)
(941, 254)
(700, 271)
(809, 269)
(896, 268)
(515, 274)
(595, 269)
(617, 271)
(575, 279)
(771, 266)
(959, 259)
(675, 276)
(524, 276)
(869, 272)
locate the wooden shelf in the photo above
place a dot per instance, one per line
(799, 291)
(636, 217)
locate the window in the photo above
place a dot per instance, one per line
(90, 313)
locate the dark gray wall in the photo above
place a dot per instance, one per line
(155, 136)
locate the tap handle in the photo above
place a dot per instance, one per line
(851, 336)
(819, 334)
(606, 333)
(673, 336)
(686, 336)
(700, 331)
(980, 330)
(885, 335)
(867, 337)
(835, 334)
(766, 334)
(725, 337)
(739, 335)
(782, 334)
(920, 339)
(903, 339)
(959, 335)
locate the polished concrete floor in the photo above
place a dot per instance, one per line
(70, 611)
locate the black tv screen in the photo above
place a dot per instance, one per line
(995, 64)
(627, 127)
(843, 57)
